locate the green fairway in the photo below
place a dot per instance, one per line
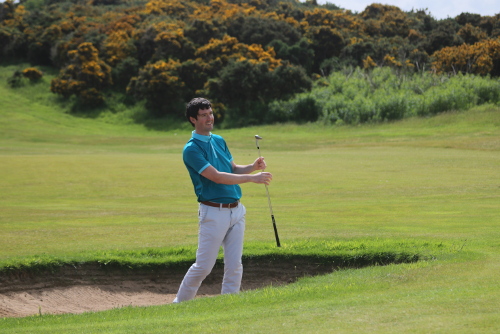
(73, 185)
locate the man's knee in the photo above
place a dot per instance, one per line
(201, 271)
(233, 271)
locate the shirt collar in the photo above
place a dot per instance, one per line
(203, 138)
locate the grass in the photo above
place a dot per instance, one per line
(78, 189)
(329, 254)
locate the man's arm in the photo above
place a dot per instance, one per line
(237, 178)
(258, 164)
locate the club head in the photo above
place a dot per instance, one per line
(257, 138)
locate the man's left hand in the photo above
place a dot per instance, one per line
(259, 164)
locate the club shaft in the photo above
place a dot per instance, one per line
(269, 201)
(272, 218)
(270, 207)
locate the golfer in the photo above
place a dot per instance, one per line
(221, 215)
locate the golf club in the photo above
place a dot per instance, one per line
(257, 138)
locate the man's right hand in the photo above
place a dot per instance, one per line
(263, 177)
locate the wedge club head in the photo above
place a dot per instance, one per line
(257, 138)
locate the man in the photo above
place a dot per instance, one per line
(221, 216)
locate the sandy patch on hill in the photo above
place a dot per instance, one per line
(90, 289)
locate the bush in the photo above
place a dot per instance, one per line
(486, 89)
(443, 99)
(392, 107)
(247, 88)
(85, 76)
(246, 113)
(16, 80)
(160, 85)
(91, 97)
(124, 71)
(32, 74)
(383, 94)
(306, 110)
(303, 109)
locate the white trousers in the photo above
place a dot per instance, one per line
(217, 227)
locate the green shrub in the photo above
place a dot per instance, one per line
(246, 113)
(301, 110)
(306, 110)
(391, 107)
(383, 94)
(362, 110)
(91, 97)
(16, 80)
(450, 96)
(486, 89)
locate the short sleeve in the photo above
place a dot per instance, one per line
(195, 159)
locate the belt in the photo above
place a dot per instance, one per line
(221, 205)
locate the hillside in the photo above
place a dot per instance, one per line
(241, 54)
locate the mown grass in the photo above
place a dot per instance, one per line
(77, 190)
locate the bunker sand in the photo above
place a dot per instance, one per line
(89, 288)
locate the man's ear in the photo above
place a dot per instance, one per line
(192, 120)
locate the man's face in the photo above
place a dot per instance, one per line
(204, 124)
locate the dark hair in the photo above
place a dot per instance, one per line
(194, 105)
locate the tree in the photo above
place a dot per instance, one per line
(39, 52)
(200, 31)
(445, 34)
(247, 88)
(471, 34)
(326, 43)
(385, 20)
(468, 18)
(491, 24)
(159, 83)
(358, 51)
(194, 76)
(119, 44)
(300, 53)
(263, 30)
(124, 71)
(219, 52)
(338, 19)
(14, 40)
(171, 43)
(171, 8)
(288, 80)
(481, 58)
(86, 76)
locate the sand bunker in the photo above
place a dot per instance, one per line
(89, 288)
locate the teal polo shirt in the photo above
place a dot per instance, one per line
(203, 151)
